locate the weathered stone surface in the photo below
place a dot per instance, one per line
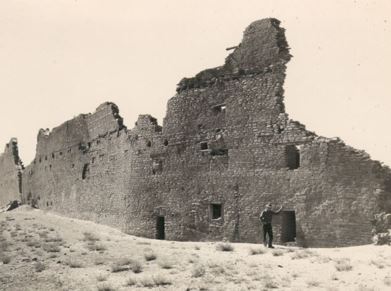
(10, 173)
(225, 149)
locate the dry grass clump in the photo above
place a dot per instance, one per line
(39, 267)
(302, 254)
(99, 261)
(387, 281)
(269, 283)
(74, 263)
(5, 258)
(277, 253)
(198, 271)
(125, 264)
(51, 248)
(312, 283)
(131, 281)
(379, 263)
(105, 287)
(89, 236)
(224, 247)
(166, 263)
(256, 251)
(93, 246)
(149, 255)
(101, 277)
(343, 265)
(152, 281)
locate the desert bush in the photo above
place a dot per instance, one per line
(302, 254)
(197, 248)
(256, 251)
(74, 263)
(5, 258)
(198, 271)
(105, 287)
(277, 253)
(51, 248)
(101, 277)
(99, 261)
(131, 281)
(33, 243)
(224, 247)
(269, 283)
(125, 264)
(387, 281)
(89, 236)
(146, 281)
(343, 265)
(39, 267)
(312, 283)
(166, 263)
(149, 255)
(92, 246)
(379, 264)
(161, 280)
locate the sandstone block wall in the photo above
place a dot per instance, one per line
(225, 149)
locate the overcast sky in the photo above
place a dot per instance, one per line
(60, 58)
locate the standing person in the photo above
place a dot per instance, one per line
(266, 220)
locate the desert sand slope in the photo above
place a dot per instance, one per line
(44, 251)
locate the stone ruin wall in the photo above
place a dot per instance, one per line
(226, 139)
(10, 173)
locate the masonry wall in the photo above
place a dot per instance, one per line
(226, 140)
(10, 173)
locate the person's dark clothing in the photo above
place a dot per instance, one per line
(268, 230)
(266, 219)
(267, 215)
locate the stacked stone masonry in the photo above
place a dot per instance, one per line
(226, 148)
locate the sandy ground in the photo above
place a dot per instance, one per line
(43, 251)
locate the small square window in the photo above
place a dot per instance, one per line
(216, 210)
(204, 145)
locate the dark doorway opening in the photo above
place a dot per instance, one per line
(292, 157)
(216, 210)
(288, 226)
(160, 231)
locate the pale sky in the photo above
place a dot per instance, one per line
(60, 58)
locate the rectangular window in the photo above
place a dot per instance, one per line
(292, 154)
(204, 145)
(216, 210)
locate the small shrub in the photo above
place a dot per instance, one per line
(312, 283)
(146, 281)
(256, 251)
(51, 248)
(224, 247)
(99, 261)
(39, 267)
(131, 281)
(105, 287)
(161, 280)
(166, 263)
(101, 277)
(387, 281)
(269, 283)
(277, 253)
(5, 259)
(198, 271)
(74, 263)
(149, 255)
(379, 264)
(302, 254)
(125, 264)
(89, 236)
(197, 248)
(343, 265)
(96, 247)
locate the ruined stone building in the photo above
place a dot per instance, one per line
(225, 149)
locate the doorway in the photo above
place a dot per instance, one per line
(160, 231)
(288, 226)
